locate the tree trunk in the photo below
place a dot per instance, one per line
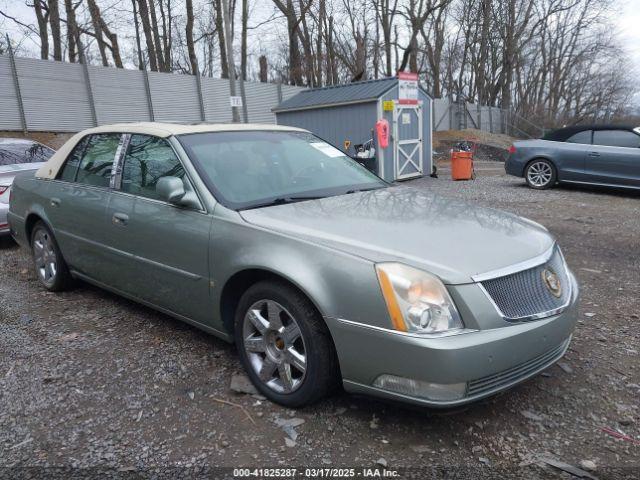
(137, 27)
(224, 64)
(243, 40)
(72, 30)
(156, 37)
(43, 30)
(193, 59)
(231, 65)
(264, 69)
(54, 20)
(146, 28)
(97, 28)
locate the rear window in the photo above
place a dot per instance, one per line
(23, 152)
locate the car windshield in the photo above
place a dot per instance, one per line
(23, 152)
(250, 169)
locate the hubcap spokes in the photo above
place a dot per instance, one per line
(540, 174)
(274, 345)
(44, 257)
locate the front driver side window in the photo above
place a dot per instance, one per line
(148, 159)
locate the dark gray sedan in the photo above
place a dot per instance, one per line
(597, 155)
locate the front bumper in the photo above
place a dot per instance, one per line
(489, 361)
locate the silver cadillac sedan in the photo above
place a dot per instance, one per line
(319, 271)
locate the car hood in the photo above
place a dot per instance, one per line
(450, 238)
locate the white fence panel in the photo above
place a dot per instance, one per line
(9, 107)
(174, 97)
(54, 93)
(215, 95)
(119, 95)
(261, 98)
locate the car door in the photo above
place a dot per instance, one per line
(159, 250)
(77, 200)
(614, 158)
(571, 156)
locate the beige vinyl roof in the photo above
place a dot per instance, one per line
(50, 169)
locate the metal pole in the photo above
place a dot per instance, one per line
(245, 111)
(490, 119)
(279, 91)
(147, 89)
(232, 66)
(16, 84)
(87, 81)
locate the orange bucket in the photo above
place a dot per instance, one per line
(461, 165)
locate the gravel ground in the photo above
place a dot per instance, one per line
(92, 384)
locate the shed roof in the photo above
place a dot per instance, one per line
(368, 90)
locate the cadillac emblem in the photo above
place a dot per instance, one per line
(552, 282)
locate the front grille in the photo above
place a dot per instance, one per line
(525, 295)
(518, 373)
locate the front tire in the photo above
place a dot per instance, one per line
(284, 345)
(540, 174)
(51, 269)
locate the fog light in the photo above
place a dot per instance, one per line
(418, 388)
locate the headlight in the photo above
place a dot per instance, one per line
(418, 302)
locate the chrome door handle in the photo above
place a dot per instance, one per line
(594, 154)
(120, 218)
(55, 202)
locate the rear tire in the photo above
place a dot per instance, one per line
(284, 345)
(51, 269)
(540, 174)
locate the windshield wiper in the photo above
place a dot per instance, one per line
(283, 201)
(362, 190)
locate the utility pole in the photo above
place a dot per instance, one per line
(226, 13)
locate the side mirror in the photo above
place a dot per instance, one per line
(170, 189)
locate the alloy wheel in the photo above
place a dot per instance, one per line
(274, 346)
(45, 257)
(539, 174)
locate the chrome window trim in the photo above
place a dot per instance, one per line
(426, 336)
(517, 267)
(118, 163)
(539, 315)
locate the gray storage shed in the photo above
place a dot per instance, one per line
(345, 116)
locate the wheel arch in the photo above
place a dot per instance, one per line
(238, 283)
(33, 217)
(546, 157)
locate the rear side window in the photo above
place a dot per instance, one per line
(97, 161)
(70, 169)
(616, 138)
(580, 137)
(148, 159)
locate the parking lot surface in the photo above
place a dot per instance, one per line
(88, 379)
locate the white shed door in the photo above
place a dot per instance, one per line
(407, 136)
